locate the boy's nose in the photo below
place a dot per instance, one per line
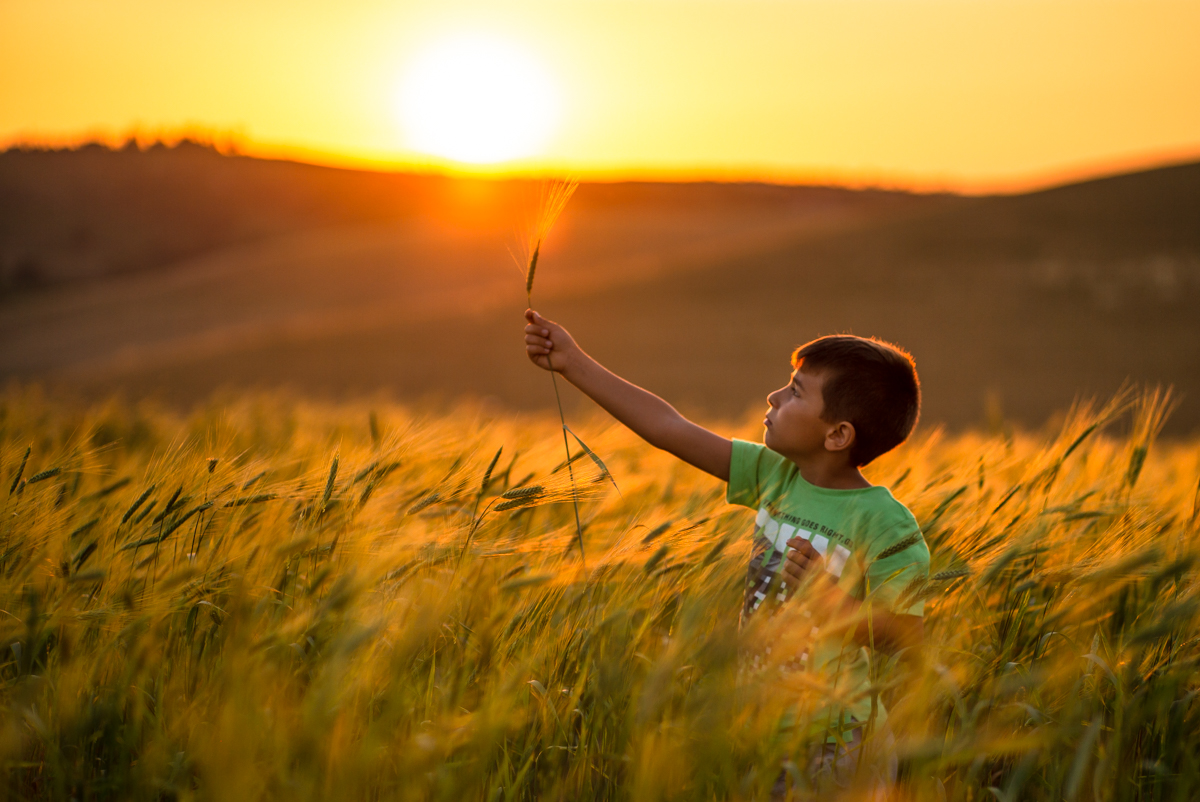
(772, 399)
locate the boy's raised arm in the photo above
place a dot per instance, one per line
(550, 347)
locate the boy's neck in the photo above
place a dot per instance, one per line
(832, 474)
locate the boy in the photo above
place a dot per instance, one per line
(848, 400)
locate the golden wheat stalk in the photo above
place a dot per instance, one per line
(552, 199)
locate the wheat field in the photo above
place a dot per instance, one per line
(273, 599)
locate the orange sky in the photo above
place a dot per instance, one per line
(967, 94)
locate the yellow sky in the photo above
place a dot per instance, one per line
(970, 94)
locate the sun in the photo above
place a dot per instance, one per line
(478, 99)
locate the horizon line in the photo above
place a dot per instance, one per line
(228, 144)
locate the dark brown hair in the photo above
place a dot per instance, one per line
(868, 382)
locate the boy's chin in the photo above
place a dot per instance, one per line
(768, 439)
(771, 440)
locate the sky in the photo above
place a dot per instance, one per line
(972, 95)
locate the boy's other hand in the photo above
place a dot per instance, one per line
(548, 345)
(803, 562)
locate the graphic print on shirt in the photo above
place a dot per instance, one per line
(770, 550)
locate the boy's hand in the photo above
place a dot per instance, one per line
(883, 629)
(548, 345)
(803, 562)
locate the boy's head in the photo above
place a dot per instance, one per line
(869, 383)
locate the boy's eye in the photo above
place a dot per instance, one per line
(795, 391)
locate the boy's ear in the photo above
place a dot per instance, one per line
(840, 437)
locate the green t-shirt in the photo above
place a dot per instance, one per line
(848, 528)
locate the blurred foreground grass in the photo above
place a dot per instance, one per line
(273, 600)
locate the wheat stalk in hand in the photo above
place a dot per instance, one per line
(551, 202)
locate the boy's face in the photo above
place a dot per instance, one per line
(794, 427)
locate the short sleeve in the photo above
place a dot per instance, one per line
(896, 564)
(746, 474)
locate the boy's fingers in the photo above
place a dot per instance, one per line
(802, 546)
(801, 561)
(797, 567)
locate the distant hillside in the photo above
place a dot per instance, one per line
(1107, 219)
(342, 282)
(95, 212)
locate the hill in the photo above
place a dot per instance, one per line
(174, 272)
(69, 215)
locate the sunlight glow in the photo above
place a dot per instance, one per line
(477, 99)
